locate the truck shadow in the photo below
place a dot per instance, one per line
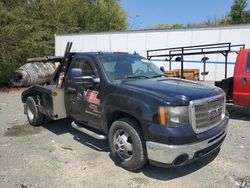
(238, 112)
(176, 172)
(63, 127)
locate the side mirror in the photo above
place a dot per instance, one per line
(76, 73)
(90, 81)
(96, 80)
(162, 69)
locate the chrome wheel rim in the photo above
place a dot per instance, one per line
(30, 113)
(123, 144)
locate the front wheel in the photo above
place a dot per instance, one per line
(34, 117)
(127, 144)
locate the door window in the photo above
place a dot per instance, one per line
(248, 62)
(86, 67)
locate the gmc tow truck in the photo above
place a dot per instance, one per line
(125, 98)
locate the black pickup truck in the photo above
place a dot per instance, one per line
(126, 99)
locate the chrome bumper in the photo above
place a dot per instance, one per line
(167, 154)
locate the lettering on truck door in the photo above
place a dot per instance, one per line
(84, 103)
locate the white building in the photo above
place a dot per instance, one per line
(143, 40)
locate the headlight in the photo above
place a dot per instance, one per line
(174, 116)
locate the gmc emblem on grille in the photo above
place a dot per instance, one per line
(215, 112)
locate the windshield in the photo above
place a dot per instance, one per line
(124, 67)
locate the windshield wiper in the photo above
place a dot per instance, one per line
(137, 76)
(160, 75)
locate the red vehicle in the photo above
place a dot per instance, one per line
(237, 87)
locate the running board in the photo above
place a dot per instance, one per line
(88, 132)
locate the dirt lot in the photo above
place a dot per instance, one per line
(56, 155)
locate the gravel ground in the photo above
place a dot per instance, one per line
(56, 155)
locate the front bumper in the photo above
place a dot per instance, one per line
(176, 155)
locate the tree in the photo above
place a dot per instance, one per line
(106, 16)
(27, 27)
(237, 12)
(12, 30)
(167, 26)
(247, 16)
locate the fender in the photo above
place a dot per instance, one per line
(130, 105)
(34, 89)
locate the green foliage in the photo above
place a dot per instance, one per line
(27, 27)
(247, 16)
(210, 23)
(104, 14)
(168, 26)
(237, 12)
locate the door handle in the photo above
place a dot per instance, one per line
(71, 90)
(72, 101)
(243, 80)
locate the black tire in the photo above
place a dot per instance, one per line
(138, 157)
(34, 117)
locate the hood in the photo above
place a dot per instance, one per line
(173, 90)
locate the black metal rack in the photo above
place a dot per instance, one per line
(53, 58)
(180, 52)
(46, 59)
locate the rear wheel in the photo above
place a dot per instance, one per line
(127, 144)
(34, 117)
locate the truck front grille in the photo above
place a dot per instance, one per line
(207, 113)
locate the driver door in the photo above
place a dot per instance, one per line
(82, 93)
